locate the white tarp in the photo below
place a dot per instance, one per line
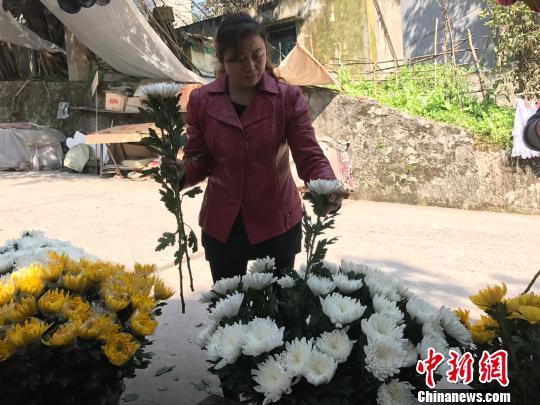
(120, 35)
(29, 146)
(12, 32)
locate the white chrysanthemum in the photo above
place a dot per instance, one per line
(320, 368)
(336, 344)
(6, 263)
(207, 297)
(342, 310)
(331, 267)
(227, 307)
(433, 328)
(380, 283)
(411, 358)
(286, 282)
(272, 379)
(297, 354)
(346, 285)
(453, 327)
(396, 393)
(384, 357)
(165, 90)
(204, 335)
(302, 271)
(262, 335)
(384, 306)
(438, 344)
(224, 285)
(266, 264)
(258, 281)
(226, 344)
(324, 187)
(320, 285)
(420, 310)
(380, 324)
(355, 268)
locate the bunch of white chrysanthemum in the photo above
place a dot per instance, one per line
(34, 247)
(294, 332)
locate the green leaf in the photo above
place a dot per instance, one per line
(192, 241)
(193, 192)
(168, 239)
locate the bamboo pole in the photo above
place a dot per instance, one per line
(477, 64)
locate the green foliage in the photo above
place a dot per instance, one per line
(429, 91)
(164, 112)
(516, 32)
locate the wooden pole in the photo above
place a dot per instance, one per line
(435, 46)
(476, 63)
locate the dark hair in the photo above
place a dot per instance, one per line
(232, 30)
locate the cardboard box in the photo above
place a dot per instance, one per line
(186, 91)
(115, 101)
(133, 104)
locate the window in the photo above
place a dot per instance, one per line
(283, 39)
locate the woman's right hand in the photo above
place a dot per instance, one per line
(171, 164)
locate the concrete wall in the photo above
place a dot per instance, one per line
(419, 17)
(400, 158)
(38, 103)
(331, 29)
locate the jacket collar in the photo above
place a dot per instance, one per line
(267, 83)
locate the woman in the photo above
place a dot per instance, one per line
(240, 128)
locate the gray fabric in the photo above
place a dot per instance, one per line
(37, 148)
(531, 135)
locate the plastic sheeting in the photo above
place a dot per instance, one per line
(302, 69)
(120, 35)
(12, 32)
(24, 147)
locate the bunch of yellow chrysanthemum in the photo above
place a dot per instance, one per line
(511, 324)
(57, 303)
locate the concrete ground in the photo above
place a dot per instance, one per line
(445, 255)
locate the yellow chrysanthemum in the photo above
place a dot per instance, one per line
(143, 303)
(142, 323)
(53, 271)
(74, 282)
(139, 283)
(53, 301)
(463, 315)
(57, 258)
(7, 291)
(7, 348)
(120, 348)
(29, 280)
(529, 313)
(116, 302)
(24, 334)
(73, 267)
(529, 299)
(3, 314)
(484, 330)
(108, 330)
(77, 309)
(97, 272)
(91, 328)
(489, 296)
(145, 269)
(63, 336)
(161, 291)
(25, 308)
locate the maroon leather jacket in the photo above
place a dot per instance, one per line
(246, 159)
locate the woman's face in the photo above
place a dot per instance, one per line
(246, 67)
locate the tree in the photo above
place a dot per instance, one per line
(516, 32)
(213, 8)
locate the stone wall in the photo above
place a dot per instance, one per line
(401, 158)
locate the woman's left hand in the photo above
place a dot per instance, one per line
(334, 201)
